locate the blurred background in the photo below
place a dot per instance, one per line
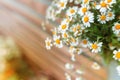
(23, 21)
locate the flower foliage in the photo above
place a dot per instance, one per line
(93, 24)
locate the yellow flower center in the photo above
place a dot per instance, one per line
(118, 55)
(64, 26)
(57, 41)
(65, 35)
(110, 14)
(84, 10)
(103, 17)
(86, 19)
(48, 43)
(103, 4)
(62, 4)
(117, 27)
(85, 41)
(109, 1)
(94, 46)
(72, 11)
(85, 1)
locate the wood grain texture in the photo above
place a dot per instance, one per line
(22, 21)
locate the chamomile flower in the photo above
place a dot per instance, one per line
(57, 42)
(83, 10)
(102, 18)
(48, 43)
(116, 28)
(110, 2)
(62, 4)
(103, 6)
(96, 47)
(87, 19)
(110, 15)
(72, 11)
(84, 43)
(63, 27)
(116, 54)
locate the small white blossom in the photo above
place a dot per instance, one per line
(96, 47)
(48, 43)
(57, 42)
(116, 55)
(87, 19)
(102, 18)
(72, 11)
(103, 6)
(116, 28)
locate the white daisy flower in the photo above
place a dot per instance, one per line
(116, 54)
(83, 10)
(69, 66)
(63, 27)
(85, 2)
(62, 4)
(84, 43)
(116, 28)
(103, 6)
(87, 19)
(96, 66)
(110, 15)
(48, 43)
(96, 47)
(72, 11)
(102, 18)
(110, 1)
(57, 42)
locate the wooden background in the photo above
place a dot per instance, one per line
(23, 21)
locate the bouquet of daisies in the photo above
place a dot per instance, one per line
(92, 24)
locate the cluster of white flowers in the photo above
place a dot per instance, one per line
(78, 16)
